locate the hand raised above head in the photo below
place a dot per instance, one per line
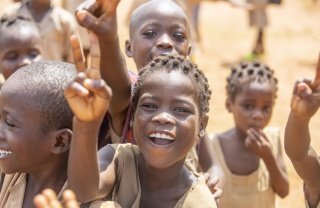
(306, 96)
(99, 16)
(88, 95)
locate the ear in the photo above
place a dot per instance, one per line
(228, 105)
(62, 141)
(202, 126)
(128, 48)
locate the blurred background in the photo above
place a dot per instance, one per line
(292, 45)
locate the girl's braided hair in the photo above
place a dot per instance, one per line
(170, 63)
(245, 73)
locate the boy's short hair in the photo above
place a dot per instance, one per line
(41, 86)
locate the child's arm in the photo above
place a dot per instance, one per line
(259, 144)
(100, 17)
(304, 104)
(89, 99)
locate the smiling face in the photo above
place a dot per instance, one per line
(157, 27)
(252, 106)
(167, 120)
(24, 147)
(18, 47)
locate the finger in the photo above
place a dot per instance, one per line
(40, 201)
(252, 134)
(78, 57)
(206, 177)
(303, 90)
(99, 87)
(87, 20)
(217, 194)
(93, 71)
(75, 89)
(70, 199)
(52, 198)
(316, 80)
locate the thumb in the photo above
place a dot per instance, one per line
(87, 20)
(304, 91)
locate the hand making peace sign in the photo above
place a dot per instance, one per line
(306, 96)
(88, 95)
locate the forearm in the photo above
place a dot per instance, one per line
(114, 72)
(278, 176)
(297, 138)
(83, 168)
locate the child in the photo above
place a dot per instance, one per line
(55, 24)
(20, 44)
(259, 20)
(304, 104)
(35, 131)
(151, 174)
(248, 157)
(156, 27)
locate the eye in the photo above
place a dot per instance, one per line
(8, 123)
(34, 53)
(248, 106)
(267, 108)
(11, 56)
(149, 33)
(179, 36)
(152, 106)
(181, 110)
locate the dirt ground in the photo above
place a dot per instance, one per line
(292, 47)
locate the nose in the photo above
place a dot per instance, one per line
(25, 61)
(163, 118)
(165, 42)
(257, 115)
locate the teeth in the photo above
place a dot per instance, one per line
(4, 152)
(161, 136)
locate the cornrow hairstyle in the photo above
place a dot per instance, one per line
(41, 86)
(170, 63)
(248, 72)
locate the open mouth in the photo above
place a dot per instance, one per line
(4, 153)
(161, 139)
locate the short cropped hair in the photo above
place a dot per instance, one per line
(248, 72)
(42, 85)
(170, 63)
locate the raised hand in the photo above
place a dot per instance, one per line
(48, 199)
(306, 96)
(88, 95)
(212, 185)
(258, 143)
(99, 16)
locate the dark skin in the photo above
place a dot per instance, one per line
(172, 36)
(42, 155)
(113, 67)
(305, 103)
(244, 145)
(89, 109)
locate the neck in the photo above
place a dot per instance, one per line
(155, 179)
(51, 176)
